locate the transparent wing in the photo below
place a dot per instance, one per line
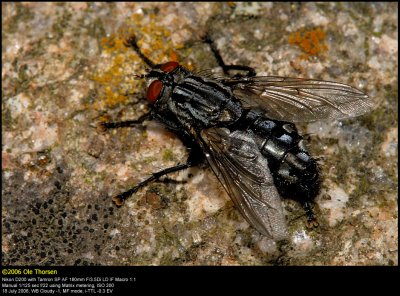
(300, 100)
(210, 74)
(243, 171)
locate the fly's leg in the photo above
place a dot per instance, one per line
(193, 159)
(226, 68)
(128, 123)
(132, 42)
(311, 220)
(102, 126)
(120, 198)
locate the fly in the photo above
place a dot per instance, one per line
(244, 126)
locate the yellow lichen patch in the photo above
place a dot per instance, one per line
(116, 78)
(311, 42)
(113, 44)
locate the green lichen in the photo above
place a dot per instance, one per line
(96, 30)
(60, 24)
(6, 118)
(149, 159)
(168, 155)
(23, 15)
(363, 186)
(380, 120)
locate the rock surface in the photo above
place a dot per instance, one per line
(65, 68)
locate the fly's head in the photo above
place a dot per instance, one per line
(163, 78)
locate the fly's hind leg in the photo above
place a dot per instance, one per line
(226, 68)
(311, 219)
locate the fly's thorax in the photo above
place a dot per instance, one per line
(204, 103)
(190, 100)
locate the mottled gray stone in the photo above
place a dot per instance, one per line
(59, 171)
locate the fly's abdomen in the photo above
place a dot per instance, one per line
(294, 171)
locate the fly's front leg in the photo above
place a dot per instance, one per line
(193, 159)
(226, 68)
(132, 42)
(103, 126)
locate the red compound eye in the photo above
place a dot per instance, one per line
(154, 90)
(169, 66)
